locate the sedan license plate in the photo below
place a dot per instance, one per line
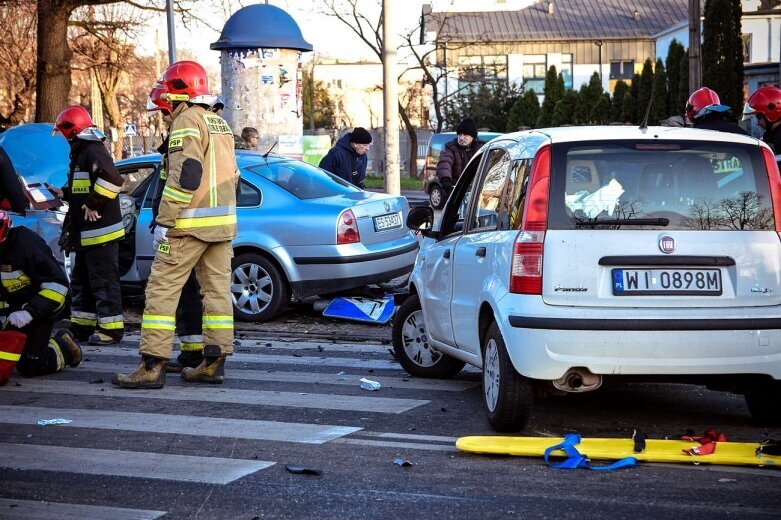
(390, 221)
(655, 282)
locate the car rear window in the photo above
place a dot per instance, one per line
(681, 185)
(303, 180)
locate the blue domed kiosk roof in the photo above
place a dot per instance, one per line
(261, 25)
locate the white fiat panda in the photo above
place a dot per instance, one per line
(570, 255)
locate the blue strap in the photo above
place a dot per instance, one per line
(576, 460)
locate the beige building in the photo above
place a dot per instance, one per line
(356, 89)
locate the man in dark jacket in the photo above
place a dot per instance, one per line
(94, 228)
(32, 295)
(457, 153)
(11, 194)
(347, 159)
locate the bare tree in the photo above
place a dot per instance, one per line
(17, 62)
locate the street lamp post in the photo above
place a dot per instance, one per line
(599, 43)
(169, 11)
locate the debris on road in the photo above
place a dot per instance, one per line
(402, 462)
(368, 384)
(47, 422)
(302, 470)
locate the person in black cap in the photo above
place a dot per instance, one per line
(456, 154)
(347, 159)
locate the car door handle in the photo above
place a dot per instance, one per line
(480, 252)
(447, 254)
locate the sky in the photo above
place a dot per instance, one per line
(327, 35)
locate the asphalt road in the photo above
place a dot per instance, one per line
(293, 398)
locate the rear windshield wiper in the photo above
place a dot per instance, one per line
(624, 222)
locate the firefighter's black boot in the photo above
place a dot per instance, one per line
(71, 352)
(187, 358)
(150, 374)
(211, 370)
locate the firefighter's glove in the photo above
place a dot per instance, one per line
(20, 319)
(160, 236)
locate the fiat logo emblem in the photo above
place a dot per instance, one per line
(387, 207)
(667, 244)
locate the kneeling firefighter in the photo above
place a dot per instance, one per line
(195, 225)
(32, 295)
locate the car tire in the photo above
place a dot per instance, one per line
(259, 291)
(508, 396)
(764, 403)
(412, 349)
(436, 196)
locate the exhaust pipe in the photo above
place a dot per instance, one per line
(578, 380)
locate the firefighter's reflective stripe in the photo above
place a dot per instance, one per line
(9, 356)
(163, 174)
(107, 189)
(155, 321)
(206, 217)
(84, 318)
(14, 280)
(191, 343)
(217, 322)
(212, 177)
(177, 195)
(57, 352)
(186, 132)
(3, 305)
(102, 235)
(111, 322)
(81, 183)
(54, 291)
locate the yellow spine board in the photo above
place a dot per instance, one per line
(727, 453)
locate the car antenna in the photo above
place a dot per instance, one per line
(644, 124)
(265, 155)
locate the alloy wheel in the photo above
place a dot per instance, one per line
(491, 375)
(416, 343)
(251, 288)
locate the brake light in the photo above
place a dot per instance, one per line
(347, 229)
(774, 177)
(526, 265)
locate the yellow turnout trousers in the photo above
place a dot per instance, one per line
(173, 263)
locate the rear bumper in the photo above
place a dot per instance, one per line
(546, 347)
(305, 288)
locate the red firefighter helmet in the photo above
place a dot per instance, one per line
(5, 225)
(156, 100)
(72, 121)
(700, 99)
(766, 102)
(185, 81)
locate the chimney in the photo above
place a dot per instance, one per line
(636, 16)
(550, 8)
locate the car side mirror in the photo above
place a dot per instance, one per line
(421, 219)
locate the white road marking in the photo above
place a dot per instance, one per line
(12, 509)
(306, 377)
(397, 445)
(180, 424)
(90, 461)
(200, 393)
(270, 359)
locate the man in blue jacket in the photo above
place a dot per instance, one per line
(347, 159)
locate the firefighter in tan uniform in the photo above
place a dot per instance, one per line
(195, 226)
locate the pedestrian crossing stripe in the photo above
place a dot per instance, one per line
(183, 392)
(120, 463)
(14, 509)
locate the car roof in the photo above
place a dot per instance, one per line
(618, 132)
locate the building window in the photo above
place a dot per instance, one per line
(475, 70)
(566, 70)
(746, 48)
(534, 68)
(622, 69)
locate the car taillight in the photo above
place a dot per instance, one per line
(774, 177)
(347, 229)
(526, 266)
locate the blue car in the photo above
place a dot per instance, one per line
(301, 232)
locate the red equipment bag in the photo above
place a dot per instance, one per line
(11, 348)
